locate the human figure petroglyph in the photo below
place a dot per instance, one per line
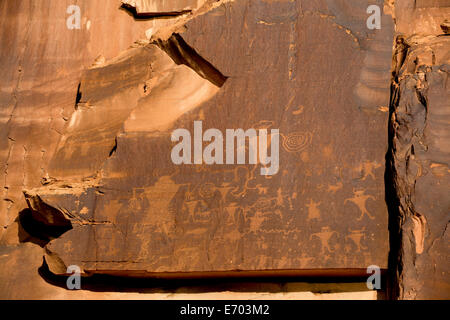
(360, 199)
(207, 190)
(241, 177)
(313, 211)
(356, 236)
(367, 169)
(304, 261)
(324, 237)
(280, 201)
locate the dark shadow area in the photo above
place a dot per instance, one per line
(34, 231)
(131, 11)
(78, 97)
(182, 53)
(271, 284)
(393, 204)
(114, 148)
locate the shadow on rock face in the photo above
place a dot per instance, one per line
(129, 284)
(34, 231)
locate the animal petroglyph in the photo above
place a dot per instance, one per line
(335, 188)
(298, 110)
(264, 124)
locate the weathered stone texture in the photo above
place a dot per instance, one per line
(420, 167)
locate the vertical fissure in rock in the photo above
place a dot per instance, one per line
(78, 97)
(391, 197)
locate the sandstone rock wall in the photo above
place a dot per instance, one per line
(85, 143)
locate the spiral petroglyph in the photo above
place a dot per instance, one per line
(296, 141)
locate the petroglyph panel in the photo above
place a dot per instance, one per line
(303, 67)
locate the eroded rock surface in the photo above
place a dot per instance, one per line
(420, 168)
(418, 174)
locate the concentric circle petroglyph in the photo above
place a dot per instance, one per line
(296, 141)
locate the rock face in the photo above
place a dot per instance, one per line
(134, 211)
(92, 121)
(420, 153)
(417, 167)
(45, 61)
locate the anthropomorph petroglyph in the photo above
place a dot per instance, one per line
(324, 236)
(360, 199)
(313, 211)
(356, 236)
